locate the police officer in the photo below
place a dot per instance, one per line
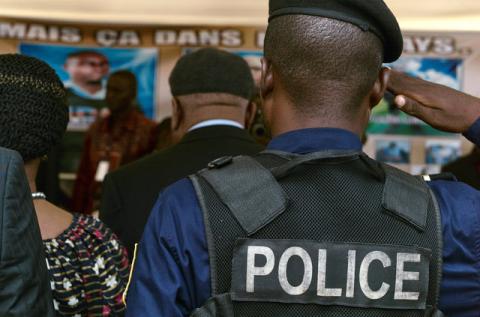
(312, 226)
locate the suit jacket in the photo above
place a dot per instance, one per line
(130, 192)
(466, 169)
(24, 281)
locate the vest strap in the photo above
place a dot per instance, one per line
(406, 197)
(218, 306)
(249, 190)
(295, 160)
(433, 312)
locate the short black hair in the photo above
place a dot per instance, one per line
(33, 106)
(321, 60)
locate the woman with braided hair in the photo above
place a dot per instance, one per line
(87, 265)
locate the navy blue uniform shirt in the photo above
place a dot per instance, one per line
(172, 274)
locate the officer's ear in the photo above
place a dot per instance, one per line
(250, 114)
(177, 114)
(266, 82)
(380, 86)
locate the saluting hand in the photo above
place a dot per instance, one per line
(443, 108)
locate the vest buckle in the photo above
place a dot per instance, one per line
(220, 162)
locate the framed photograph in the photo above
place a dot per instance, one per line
(394, 151)
(442, 152)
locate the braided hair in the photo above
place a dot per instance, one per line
(33, 106)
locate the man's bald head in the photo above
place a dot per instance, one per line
(323, 62)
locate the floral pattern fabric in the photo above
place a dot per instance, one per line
(88, 269)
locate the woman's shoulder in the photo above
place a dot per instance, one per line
(87, 239)
(87, 253)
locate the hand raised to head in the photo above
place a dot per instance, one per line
(442, 107)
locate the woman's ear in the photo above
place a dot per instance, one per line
(177, 114)
(380, 86)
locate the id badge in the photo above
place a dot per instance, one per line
(102, 170)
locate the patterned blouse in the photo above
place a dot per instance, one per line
(88, 269)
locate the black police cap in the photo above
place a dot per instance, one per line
(369, 15)
(211, 70)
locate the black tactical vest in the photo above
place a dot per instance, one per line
(324, 234)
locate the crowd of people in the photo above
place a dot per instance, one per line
(213, 223)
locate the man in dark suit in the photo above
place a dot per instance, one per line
(211, 108)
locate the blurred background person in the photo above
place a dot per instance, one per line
(88, 267)
(211, 106)
(467, 168)
(86, 90)
(165, 135)
(122, 137)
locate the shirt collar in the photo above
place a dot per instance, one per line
(209, 123)
(315, 140)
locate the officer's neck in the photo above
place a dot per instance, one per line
(286, 120)
(284, 116)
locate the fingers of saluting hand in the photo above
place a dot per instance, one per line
(413, 107)
(439, 118)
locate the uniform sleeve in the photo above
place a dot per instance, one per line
(473, 133)
(460, 213)
(171, 276)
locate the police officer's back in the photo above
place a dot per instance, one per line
(312, 226)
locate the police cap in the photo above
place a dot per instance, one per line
(369, 15)
(211, 70)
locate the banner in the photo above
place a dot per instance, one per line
(85, 55)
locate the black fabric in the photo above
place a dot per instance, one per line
(232, 186)
(33, 108)
(369, 15)
(130, 192)
(24, 281)
(210, 70)
(337, 200)
(220, 305)
(406, 197)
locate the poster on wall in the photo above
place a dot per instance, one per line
(393, 151)
(387, 119)
(442, 152)
(85, 70)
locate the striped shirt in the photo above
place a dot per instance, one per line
(88, 269)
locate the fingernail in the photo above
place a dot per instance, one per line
(400, 101)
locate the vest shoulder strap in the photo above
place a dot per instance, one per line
(249, 190)
(406, 196)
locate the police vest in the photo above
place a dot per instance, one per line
(325, 234)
